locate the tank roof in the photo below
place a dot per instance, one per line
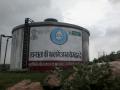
(51, 23)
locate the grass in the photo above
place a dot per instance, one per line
(8, 79)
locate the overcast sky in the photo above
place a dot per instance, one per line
(100, 17)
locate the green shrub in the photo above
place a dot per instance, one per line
(93, 77)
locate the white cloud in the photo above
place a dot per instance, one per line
(98, 16)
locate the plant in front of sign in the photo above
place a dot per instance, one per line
(92, 77)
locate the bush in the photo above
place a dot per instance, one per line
(93, 77)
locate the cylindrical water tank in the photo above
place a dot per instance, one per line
(45, 45)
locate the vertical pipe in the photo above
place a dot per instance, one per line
(6, 50)
(0, 46)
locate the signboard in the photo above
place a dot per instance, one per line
(53, 43)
